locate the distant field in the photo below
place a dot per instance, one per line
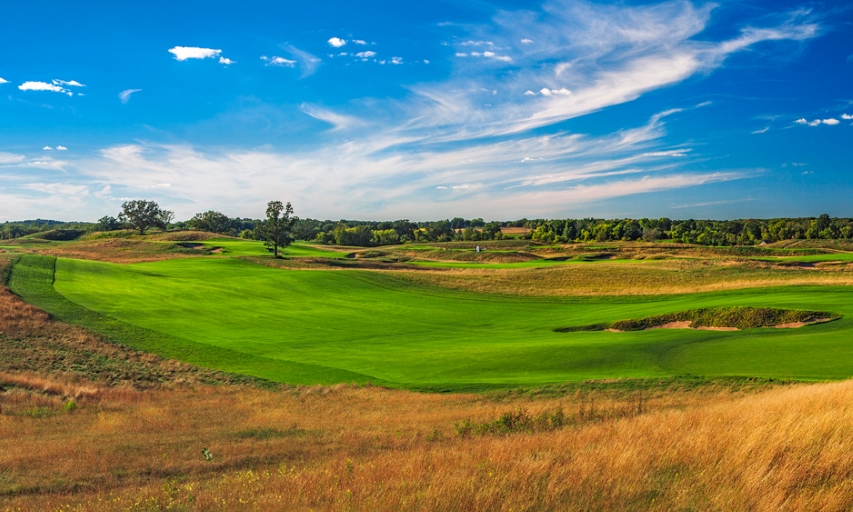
(342, 326)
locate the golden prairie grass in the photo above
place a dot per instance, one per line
(620, 278)
(354, 448)
(116, 250)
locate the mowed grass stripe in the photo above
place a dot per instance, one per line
(33, 277)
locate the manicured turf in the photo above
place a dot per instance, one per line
(341, 326)
(235, 247)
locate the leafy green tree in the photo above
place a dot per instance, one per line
(107, 223)
(277, 229)
(214, 222)
(141, 215)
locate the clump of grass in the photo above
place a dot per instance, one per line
(271, 433)
(512, 422)
(521, 420)
(739, 317)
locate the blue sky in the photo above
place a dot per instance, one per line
(427, 110)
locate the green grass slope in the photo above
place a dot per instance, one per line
(343, 326)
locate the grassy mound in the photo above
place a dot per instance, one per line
(740, 317)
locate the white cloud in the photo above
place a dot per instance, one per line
(476, 43)
(226, 61)
(426, 61)
(365, 55)
(59, 189)
(61, 148)
(2, 81)
(359, 41)
(47, 148)
(846, 117)
(124, 95)
(71, 83)
(396, 60)
(763, 130)
(10, 158)
(41, 86)
(193, 52)
(278, 61)
(526, 41)
(487, 54)
(562, 91)
(336, 42)
(529, 93)
(817, 122)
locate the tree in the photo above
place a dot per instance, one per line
(107, 223)
(142, 215)
(277, 229)
(213, 222)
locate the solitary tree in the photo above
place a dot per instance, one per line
(277, 229)
(143, 214)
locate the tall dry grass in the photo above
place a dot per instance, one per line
(351, 448)
(621, 278)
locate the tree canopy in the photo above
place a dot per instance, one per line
(277, 229)
(142, 214)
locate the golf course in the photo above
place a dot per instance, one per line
(328, 325)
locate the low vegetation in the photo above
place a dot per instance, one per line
(740, 317)
(208, 375)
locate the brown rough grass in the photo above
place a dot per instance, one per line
(116, 250)
(619, 278)
(351, 448)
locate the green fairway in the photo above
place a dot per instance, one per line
(340, 326)
(237, 247)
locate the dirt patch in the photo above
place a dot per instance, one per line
(188, 245)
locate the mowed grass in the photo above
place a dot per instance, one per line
(235, 247)
(342, 326)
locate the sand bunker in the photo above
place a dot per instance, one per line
(686, 325)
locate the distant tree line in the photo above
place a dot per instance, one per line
(142, 215)
(703, 232)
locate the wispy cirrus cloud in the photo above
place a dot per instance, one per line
(124, 96)
(307, 62)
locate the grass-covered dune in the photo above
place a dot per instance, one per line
(327, 326)
(734, 318)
